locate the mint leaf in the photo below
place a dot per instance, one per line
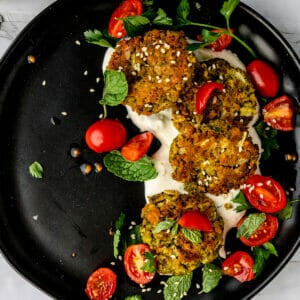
(36, 170)
(134, 297)
(192, 235)
(134, 24)
(183, 10)
(140, 170)
(211, 277)
(96, 37)
(149, 265)
(242, 202)
(177, 287)
(162, 18)
(115, 88)
(250, 225)
(228, 8)
(164, 225)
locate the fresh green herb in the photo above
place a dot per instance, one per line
(211, 277)
(241, 201)
(164, 225)
(227, 10)
(36, 170)
(115, 88)
(134, 236)
(96, 37)
(140, 170)
(117, 235)
(268, 138)
(149, 265)
(250, 225)
(261, 255)
(162, 18)
(192, 235)
(287, 212)
(174, 229)
(134, 297)
(183, 11)
(177, 286)
(135, 24)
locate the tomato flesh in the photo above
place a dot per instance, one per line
(101, 284)
(221, 43)
(134, 260)
(265, 194)
(137, 146)
(205, 92)
(126, 9)
(195, 220)
(105, 135)
(264, 77)
(266, 232)
(239, 265)
(279, 113)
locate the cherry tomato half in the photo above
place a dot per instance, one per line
(105, 135)
(264, 77)
(221, 43)
(205, 92)
(125, 9)
(137, 146)
(239, 265)
(195, 220)
(134, 260)
(279, 113)
(101, 284)
(264, 193)
(266, 232)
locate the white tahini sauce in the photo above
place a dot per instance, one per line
(162, 127)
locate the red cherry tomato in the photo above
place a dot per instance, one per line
(279, 113)
(239, 265)
(101, 284)
(195, 220)
(264, 77)
(125, 9)
(105, 135)
(205, 92)
(134, 260)
(266, 232)
(221, 43)
(264, 193)
(137, 146)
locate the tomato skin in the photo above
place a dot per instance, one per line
(263, 234)
(264, 77)
(265, 194)
(101, 284)
(221, 43)
(137, 146)
(205, 92)
(105, 135)
(195, 220)
(125, 9)
(239, 265)
(279, 113)
(134, 260)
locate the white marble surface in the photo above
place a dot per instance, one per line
(283, 14)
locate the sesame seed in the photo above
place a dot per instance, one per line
(159, 291)
(120, 68)
(184, 78)
(173, 62)
(85, 73)
(77, 42)
(91, 90)
(167, 80)
(64, 113)
(157, 47)
(113, 263)
(162, 50)
(97, 79)
(167, 46)
(190, 65)
(35, 217)
(133, 73)
(178, 53)
(44, 82)
(31, 59)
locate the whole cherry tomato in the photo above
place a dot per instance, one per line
(101, 284)
(205, 92)
(137, 146)
(266, 232)
(134, 260)
(264, 77)
(195, 220)
(125, 9)
(105, 135)
(279, 113)
(239, 265)
(264, 193)
(221, 43)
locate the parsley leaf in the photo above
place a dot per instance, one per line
(140, 170)
(287, 212)
(36, 170)
(149, 265)
(134, 24)
(115, 88)
(250, 225)
(242, 202)
(164, 225)
(177, 286)
(134, 297)
(211, 277)
(183, 10)
(96, 37)
(192, 235)
(228, 8)
(117, 236)
(162, 18)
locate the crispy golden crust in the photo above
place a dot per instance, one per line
(157, 67)
(174, 253)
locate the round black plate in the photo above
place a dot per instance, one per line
(56, 230)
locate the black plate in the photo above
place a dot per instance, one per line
(55, 230)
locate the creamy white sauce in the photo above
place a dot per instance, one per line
(162, 127)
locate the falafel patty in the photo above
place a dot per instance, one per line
(174, 252)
